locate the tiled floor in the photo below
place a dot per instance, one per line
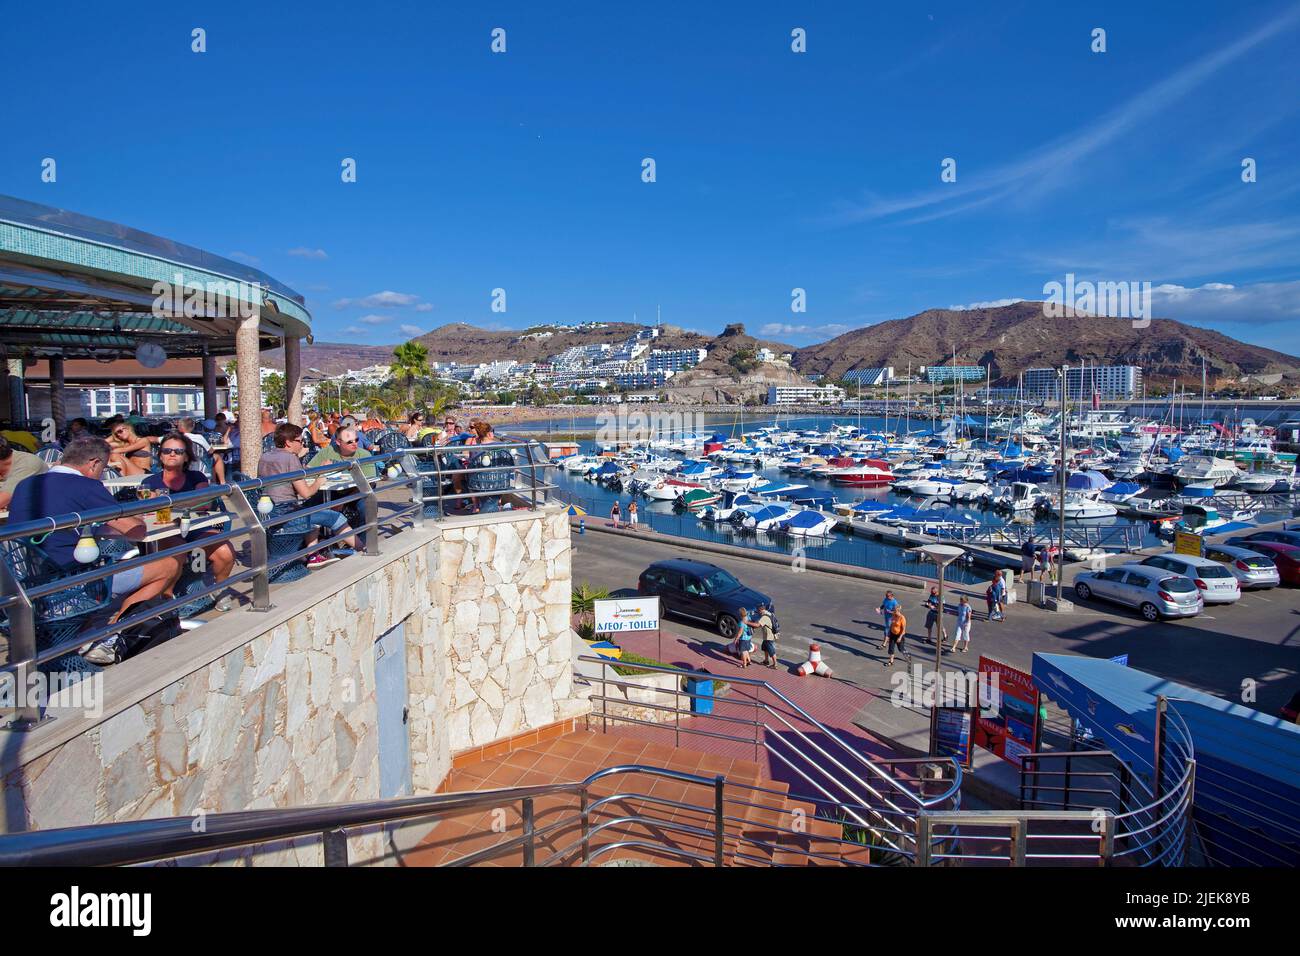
(575, 757)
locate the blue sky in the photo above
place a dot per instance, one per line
(775, 170)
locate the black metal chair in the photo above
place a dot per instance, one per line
(62, 615)
(283, 540)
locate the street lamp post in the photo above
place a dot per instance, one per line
(1060, 555)
(942, 555)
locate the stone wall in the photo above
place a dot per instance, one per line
(506, 591)
(649, 689)
(278, 709)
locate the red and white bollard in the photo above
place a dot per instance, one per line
(814, 664)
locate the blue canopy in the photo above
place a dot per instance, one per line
(1198, 491)
(812, 498)
(1248, 763)
(829, 451)
(609, 468)
(1087, 481)
(1123, 488)
(769, 512)
(804, 519)
(1173, 453)
(868, 504)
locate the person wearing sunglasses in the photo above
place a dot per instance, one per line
(177, 477)
(131, 455)
(414, 427)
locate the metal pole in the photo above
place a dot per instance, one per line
(256, 546)
(528, 832)
(335, 845)
(718, 818)
(1060, 556)
(584, 808)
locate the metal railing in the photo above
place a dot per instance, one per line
(723, 831)
(397, 474)
(872, 796)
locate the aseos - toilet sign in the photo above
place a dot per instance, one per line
(623, 615)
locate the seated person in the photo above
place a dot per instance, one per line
(78, 427)
(20, 439)
(201, 449)
(74, 485)
(287, 497)
(130, 452)
(343, 449)
(15, 465)
(178, 477)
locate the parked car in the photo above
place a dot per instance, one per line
(1278, 537)
(1155, 592)
(1286, 557)
(1252, 569)
(703, 591)
(1291, 711)
(1217, 584)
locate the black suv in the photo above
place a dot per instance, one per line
(702, 591)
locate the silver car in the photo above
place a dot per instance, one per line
(1251, 569)
(1155, 592)
(1216, 583)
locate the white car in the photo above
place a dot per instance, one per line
(1153, 591)
(1252, 569)
(1217, 584)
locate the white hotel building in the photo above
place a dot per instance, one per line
(804, 394)
(1108, 381)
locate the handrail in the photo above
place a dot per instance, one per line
(142, 841)
(370, 476)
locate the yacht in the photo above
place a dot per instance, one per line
(1205, 469)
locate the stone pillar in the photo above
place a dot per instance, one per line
(57, 410)
(17, 392)
(248, 375)
(210, 408)
(293, 378)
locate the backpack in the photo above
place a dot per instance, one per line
(897, 624)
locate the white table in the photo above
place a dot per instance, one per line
(124, 481)
(155, 532)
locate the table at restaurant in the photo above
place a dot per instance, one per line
(156, 531)
(124, 481)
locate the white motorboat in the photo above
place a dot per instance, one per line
(1205, 469)
(1079, 507)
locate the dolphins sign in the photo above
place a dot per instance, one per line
(624, 615)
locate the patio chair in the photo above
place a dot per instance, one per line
(62, 615)
(285, 539)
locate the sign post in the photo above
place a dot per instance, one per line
(1188, 542)
(628, 615)
(1011, 729)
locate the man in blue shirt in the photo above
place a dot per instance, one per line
(74, 485)
(887, 607)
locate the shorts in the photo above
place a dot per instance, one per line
(1027, 563)
(931, 618)
(896, 642)
(746, 647)
(128, 581)
(769, 648)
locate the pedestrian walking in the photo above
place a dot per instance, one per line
(964, 617)
(999, 589)
(888, 607)
(765, 632)
(1028, 557)
(631, 515)
(614, 515)
(895, 636)
(933, 616)
(744, 639)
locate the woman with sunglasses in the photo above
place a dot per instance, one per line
(414, 427)
(131, 455)
(177, 477)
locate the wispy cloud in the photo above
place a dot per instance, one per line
(412, 330)
(375, 319)
(302, 252)
(380, 300)
(424, 307)
(781, 328)
(1045, 168)
(995, 304)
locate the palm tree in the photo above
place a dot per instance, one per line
(583, 604)
(410, 361)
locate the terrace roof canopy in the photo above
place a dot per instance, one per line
(73, 286)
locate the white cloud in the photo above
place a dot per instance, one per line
(782, 328)
(302, 252)
(355, 330)
(412, 330)
(1044, 167)
(380, 300)
(424, 307)
(1215, 303)
(375, 319)
(995, 304)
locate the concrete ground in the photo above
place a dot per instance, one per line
(1254, 643)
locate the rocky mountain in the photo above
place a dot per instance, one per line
(468, 344)
(1016, 337)
(729, 374)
